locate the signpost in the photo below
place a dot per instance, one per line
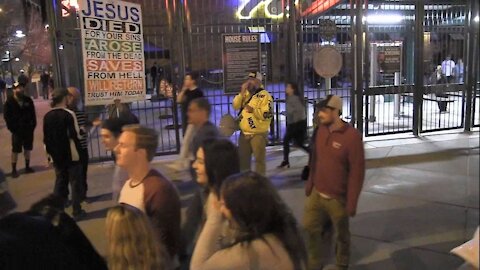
(327, 63)
(113, 57)
(241, 55)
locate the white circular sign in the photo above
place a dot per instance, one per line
(327, 62)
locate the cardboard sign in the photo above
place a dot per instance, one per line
(113, 58)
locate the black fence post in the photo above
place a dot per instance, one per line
(471, 61)
(418, 76)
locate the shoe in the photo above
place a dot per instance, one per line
(284, 164)
(305, 173)
(78, 215)
(29, 170)
(15, 174)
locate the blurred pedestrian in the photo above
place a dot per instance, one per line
(3, 91)
(61, 136)
(7, 203)
(189, 92)
(256, 113)
(131, 242)
(147, 189)
(459, 70)
(19, 114)
(109, 133)
(448, 70)
(198, 116)
(122, 111)
(216, 159)
(75, 104)
(44, 79)
(296, 122)
(23, 79)
(337, 170)
(266, 236)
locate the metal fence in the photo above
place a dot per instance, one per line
(389, 83)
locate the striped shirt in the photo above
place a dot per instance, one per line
(82, 123)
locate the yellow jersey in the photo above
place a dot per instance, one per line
(258, 121)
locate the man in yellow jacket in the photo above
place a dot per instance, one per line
(256, 115)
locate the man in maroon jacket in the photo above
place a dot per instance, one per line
(337, 170)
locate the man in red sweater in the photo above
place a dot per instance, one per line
(337, 172)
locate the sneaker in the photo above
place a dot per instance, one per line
(15, 174)
(29, 170)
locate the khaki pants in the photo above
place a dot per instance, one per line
(320, 215)
(256, 145)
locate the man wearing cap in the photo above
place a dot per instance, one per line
(22, 78)
(337, 170)
(19, 114)
(255, 105)
(61, 135)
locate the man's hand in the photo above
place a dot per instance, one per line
(248, 108)
(244, 89)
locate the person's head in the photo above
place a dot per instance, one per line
(110, 131)
(199, 111)
(18, 88)
(216, 159)
(136, 145)
(131, 241)
(74, 97)
(292, 89)
(329, 110)
(59, 97)
(449, 57)
(191, 80)
(253, 205)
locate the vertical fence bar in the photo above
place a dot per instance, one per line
(472, 38)
(418, 76)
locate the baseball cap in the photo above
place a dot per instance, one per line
(255, 75)
(332, 102)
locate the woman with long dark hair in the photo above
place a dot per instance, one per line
(216, 159)
(266, 234)
(296, 122)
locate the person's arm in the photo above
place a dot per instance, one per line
(33, 115)
(191, 224)
(162, 205)
(7, 116)
(208, 253)
(264, 111)
(356, 163)
(181, 95)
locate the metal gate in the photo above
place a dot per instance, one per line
(384, 89)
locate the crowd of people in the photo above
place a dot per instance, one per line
(236, 218)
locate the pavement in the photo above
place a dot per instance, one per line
(420, 198)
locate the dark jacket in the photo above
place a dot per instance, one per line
(32, 242)
(19, 114)
(58, 129)
(207, 131)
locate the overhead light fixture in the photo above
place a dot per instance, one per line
(60, 47)
(5, 59)
(383, 19)
(19, 34)
(17, 59)
(476, 19)
(7, 52)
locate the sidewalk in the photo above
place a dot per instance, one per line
(420, 198)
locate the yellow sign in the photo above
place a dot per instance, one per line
(272, 8)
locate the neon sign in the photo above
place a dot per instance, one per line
(273, 8)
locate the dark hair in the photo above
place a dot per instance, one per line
(194, 75)
(221, 161)
(258, 209)
(203, 104)
(114, 125)
(58, 95)
(295, 88)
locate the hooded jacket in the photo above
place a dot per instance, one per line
(259, 120)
